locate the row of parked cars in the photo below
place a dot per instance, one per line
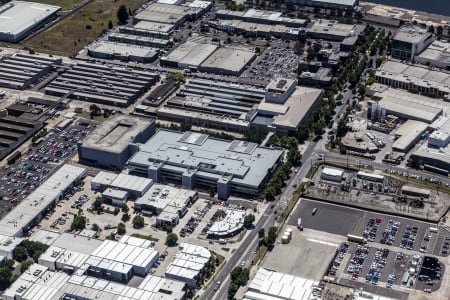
(389, 234)
(370, 232)
(377, 266)
(338, 260)
(357, 261)
(409, 237)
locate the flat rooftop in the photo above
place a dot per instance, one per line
(246, 162)
(332, 28)
(108, 47)
(418, 75)
(412, 34)
(415, 106)
(312, 256)
(408, 133)
(191, 53)
(33, 205)
(269, 284)
(116, 133)
(437, 51)
(440, 155)
(19, 16)
(232, 59)
(154, 26)
(299, 105)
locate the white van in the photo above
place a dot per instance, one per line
(433, 229)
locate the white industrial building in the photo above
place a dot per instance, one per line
(332, 174)
(19, 18)
(437, 55)
(188, 264)
(115, 197)
(168, 203)
(61, 259)
(113, 257)
(435, 155)
(32, 209)
(268, 284)
(136, 186)
(408, 135)
(7, 246)
(35, 284)
(414, 76)
(232, 223)
(407, 105)
(39, 283)
(194, 159)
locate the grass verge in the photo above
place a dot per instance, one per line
(70, 35)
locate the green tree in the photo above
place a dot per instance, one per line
(271, 192)
(240, 276)
(95, 227)
(25, 265)
(121, 229)
(21, 253)
(232, 290)
(97, 204)
(110, 24)
(138, 222)
(122, 14)
(78, 223)
(171, 239)
(125, 208)
(272, 235)
(248, 220)
(5, 277)
(261, 233)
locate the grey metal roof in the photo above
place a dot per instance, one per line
(211, 157)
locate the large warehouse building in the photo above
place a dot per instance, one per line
(414, 77)
(435, 155)
(33, 208)
(194, 159)
(123, 52)
(111, 144)
(19, 19)
(228, 61)
(407, 105)
(20, 70)
(188, 55)
(104, 84)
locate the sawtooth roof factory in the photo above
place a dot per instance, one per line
(19, 19)
(111, 144)
(78, 267)
(281, 106)
(194, 159)
(21, 70)
(260, 17)
(216, 104)
(414, 77)
(102, 84)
